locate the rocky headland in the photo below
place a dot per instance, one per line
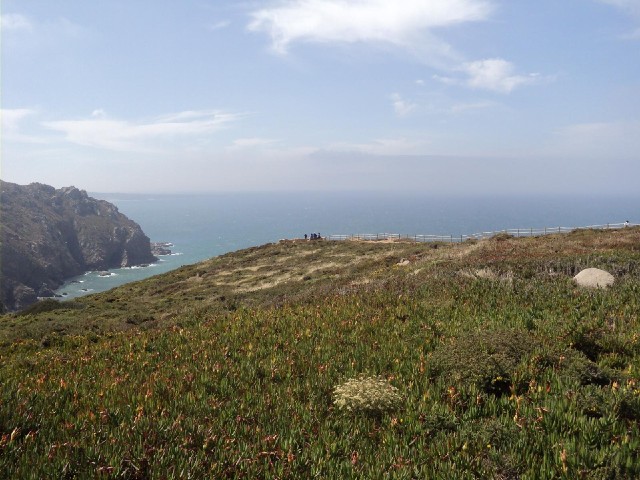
(48, 235)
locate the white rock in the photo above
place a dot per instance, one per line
(594, 278)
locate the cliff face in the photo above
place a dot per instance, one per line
(49, 235)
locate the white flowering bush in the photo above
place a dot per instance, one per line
(364, 394)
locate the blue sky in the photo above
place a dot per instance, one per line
(436, 96)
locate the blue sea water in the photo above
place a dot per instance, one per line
(207, 225)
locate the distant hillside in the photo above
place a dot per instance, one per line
(49, 235)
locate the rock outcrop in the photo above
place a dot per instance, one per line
(160, 249)
(49, 235)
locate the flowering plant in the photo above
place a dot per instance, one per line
(365, 394)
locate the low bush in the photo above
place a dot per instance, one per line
(485, 359)
(43, 306)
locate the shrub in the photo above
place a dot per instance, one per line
(575, 367)
(485, 359)
(369, 395)
(503, 361)
(597, 402)
(42, 306)
(502, 236)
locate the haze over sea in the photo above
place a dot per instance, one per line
(207, 225)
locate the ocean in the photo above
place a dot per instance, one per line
(206, 225)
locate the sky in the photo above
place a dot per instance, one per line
(432, 96)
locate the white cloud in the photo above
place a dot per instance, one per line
(408, 24)
(14, 123)
(219, 25)
(411, 25)
(401, 106)
(465, 107)
(251, 143)
(25, 36)
(382, 146)
(494, 74)
(11, 117)
(630, 6)
(102, 132)
(15, 21)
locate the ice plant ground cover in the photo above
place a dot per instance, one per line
(229, 368)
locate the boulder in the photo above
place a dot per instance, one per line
(594, 278)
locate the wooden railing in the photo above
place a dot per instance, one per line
(516, 232)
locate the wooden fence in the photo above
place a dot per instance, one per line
(516, 232)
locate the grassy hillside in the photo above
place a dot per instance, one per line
(227, 369)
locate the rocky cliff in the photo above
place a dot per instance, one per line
(49, 235)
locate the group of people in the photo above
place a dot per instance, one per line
(313, 236)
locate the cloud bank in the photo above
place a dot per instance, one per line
(99, 131)
(610, 140)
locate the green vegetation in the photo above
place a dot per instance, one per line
(230, 368)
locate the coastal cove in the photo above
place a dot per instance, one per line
(206, 225)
